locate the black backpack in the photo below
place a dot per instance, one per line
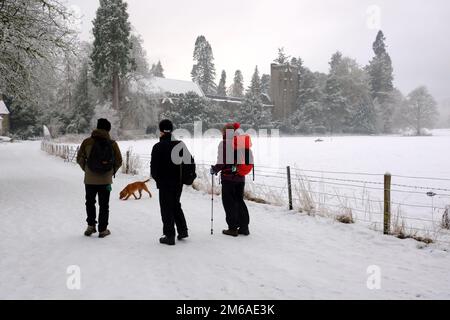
(101, 158)
(188, 174)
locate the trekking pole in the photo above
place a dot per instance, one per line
(212, 204)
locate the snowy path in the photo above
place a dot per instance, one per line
(288, 256)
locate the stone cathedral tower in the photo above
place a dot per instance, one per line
(284, 89)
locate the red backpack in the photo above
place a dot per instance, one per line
(243, 154)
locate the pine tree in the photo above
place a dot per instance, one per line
(204, 72)
(237, 88)
(309, 102)
(222, 88)
(157, 70)
(111, 58)
(253, 113)
(335, 105)
(139, 56)
(83, 106)
(265, 84)
(254, 90)
(381, 80)
(282, 58)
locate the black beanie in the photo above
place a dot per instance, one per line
(104, 124)
(166, 126)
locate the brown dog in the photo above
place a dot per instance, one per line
(132, 188)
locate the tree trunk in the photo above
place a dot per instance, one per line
(115, 99)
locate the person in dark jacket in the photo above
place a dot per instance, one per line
(98, 183)
(233, 185)
(167, 174)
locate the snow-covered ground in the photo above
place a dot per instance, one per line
(287, 256)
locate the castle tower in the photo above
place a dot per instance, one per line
(284, 89)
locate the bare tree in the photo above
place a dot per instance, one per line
(32, 32)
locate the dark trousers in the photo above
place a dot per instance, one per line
(103, 200)
(171, 212)
(235, 208)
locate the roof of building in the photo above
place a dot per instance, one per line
(3, 108)
(164, 85)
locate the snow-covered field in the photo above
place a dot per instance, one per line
(287, 256)
(425, 156)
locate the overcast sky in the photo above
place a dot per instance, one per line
(246, 33)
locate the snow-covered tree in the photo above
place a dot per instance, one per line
(157, 70)
(252, 113)
(309, 101)
(265, 84)
(381, 81)
(139, 56)
(204, 72)
(282, 57)
(111, 55)
(187, 109)
(222, 87)
(254, 90)
(421, 109)
(32, 33)
(237, 88)
(83, 109)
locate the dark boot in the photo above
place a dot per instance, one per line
(104, 234)
(182, 235)
(167, 240)
(244, 231)
(89, 231)
(230, 232)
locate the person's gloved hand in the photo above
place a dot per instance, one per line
(212, 171)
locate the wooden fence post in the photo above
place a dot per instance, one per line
(387, 203)
(288, 171)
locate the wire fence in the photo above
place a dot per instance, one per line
(416, 210)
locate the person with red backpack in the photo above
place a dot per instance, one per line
(234, 162)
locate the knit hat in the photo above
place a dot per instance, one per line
(104, 124)
(166, 126)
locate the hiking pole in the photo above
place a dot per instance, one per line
(212, 204)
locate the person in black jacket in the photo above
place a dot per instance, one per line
(168, 177)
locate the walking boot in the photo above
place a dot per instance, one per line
(230, 232)
(104, 233)
(167, 240)
(89, 231)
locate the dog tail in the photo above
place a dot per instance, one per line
(147, 180)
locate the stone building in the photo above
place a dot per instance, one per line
(4, 119)
(283, 90)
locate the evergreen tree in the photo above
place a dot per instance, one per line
(111, 58)
(83, 105)
(381, 81)
(237, 88)
(335, 106)
(265, 84)
(253, 113)
(187, 109)
(254, 90)
(221, 88)
(282, 58)
(157, 70)
(139, 56)
(204, 72)
(309, 102)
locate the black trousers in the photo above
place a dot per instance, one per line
(103, 200)
(171, 212)
(235, 208)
